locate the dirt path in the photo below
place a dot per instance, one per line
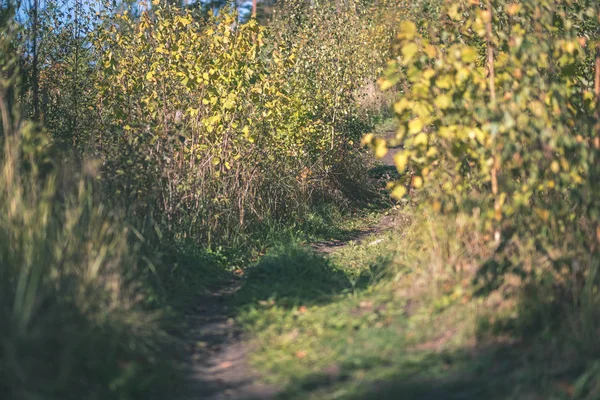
(326, 247)
(217, 352)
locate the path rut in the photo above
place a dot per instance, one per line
(217, 354)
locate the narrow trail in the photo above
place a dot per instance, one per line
(217, 352)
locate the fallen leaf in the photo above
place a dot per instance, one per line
(225, 365)
(366, 304)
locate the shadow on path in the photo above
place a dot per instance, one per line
(492, 372)
(216, 358)
(216, 351)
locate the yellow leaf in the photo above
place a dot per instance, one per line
(428, 73)
(447, 132)
(461, 75)
(385, 84)
(229, 104)
(443, 101)
(366, 139)
(415, 126)
(401, 160)
(407, 30)
(185, 21)
(454, 12)
(469, 54)
(380, 148)
(402, 105)
(431, 152)
(399, 192)
(417, 182)
(420, 139)
(409, 51)
(431, 51)
(542, 213)
(445, 82)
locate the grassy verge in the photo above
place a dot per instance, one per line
(395, 316)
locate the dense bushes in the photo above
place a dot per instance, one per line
(70, 296)
(73, 323)
(499, 118)
(232, 125)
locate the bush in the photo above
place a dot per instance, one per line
(499, 115)
(70, 295)
(224, 127)
(499, 118)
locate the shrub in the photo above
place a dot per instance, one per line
(499, 117)
(223, 127)
(71, 300)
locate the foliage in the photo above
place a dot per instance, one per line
(58, 74)
(498, 117)
(70, 290)
(240, 125)
(72, 280)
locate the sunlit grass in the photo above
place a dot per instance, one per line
(397, 316)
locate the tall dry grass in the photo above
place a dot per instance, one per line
(73, 324)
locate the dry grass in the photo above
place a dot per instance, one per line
(71, 290)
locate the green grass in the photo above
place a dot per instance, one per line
(386, 126)
(73, 286)
(395, 317)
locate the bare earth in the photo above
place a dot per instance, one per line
(217, 354)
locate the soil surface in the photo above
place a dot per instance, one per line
(217, 354)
